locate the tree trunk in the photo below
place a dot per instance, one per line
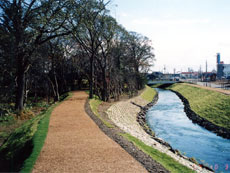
(20, 88)
(104, 91)
(54, 90)
(91, 78)
(56, 98)
(137, 77)
(26, 92)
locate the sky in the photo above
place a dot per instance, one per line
(184, 33)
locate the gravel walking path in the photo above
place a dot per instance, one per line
(74, 143)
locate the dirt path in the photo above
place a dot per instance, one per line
(227, 92)
(74, 143)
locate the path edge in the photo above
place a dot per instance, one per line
(113, 133)
(220, 131)
(39, 138)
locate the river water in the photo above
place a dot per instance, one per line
(169, 122)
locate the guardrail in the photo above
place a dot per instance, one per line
(152, 82)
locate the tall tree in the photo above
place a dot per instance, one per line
(30, 23)
(140, 54)
(104, 57)
(89, 32)
(57, 43)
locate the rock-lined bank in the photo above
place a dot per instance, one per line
(125, 115)
(114, 133)
(220, 131)
(141, 119)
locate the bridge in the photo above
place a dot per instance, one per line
(153, 82)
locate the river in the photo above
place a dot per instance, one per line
(169, 122)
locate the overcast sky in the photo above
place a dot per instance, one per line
(184, 33)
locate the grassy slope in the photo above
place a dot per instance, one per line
(156, 85)
(38, 140)
(34, 131)
(148, 94)
(40, 136)
(162, 158)
(210, 105)
(94, 104)
(165, 160)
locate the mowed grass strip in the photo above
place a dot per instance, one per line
(39, 137)
(94, 105)
(29, 138)
(166, 161)
(211, 105)
(38, 140)
(148, 94)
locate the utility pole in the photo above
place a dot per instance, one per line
(200, 74)
(206, 72)
(174, 73)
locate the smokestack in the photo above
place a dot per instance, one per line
(218, 58)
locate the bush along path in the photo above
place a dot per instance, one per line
(74, 143)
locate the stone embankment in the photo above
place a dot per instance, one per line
(129, 115)
(220, 131)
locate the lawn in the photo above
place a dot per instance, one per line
(211, 105)
(26, 142)
(166, 161)
(148, 94)
(94, 105)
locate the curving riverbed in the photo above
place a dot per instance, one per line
(169, 122)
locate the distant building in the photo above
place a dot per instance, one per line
(155, 75)
(223, 70)
(172, 77)
(189, 75)
(209, 76)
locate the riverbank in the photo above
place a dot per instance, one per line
(209, 109)
(117, 134)
(223, 91)
(124, 115)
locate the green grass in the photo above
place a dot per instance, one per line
(38, 140)
(30, 135)
(18, 144)
(6, 120)
(166, 161)
(3, 134)
(40, 136)
(211, 105)
(94, 104)
(156, 85)
(148, 94)
(19, 137)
